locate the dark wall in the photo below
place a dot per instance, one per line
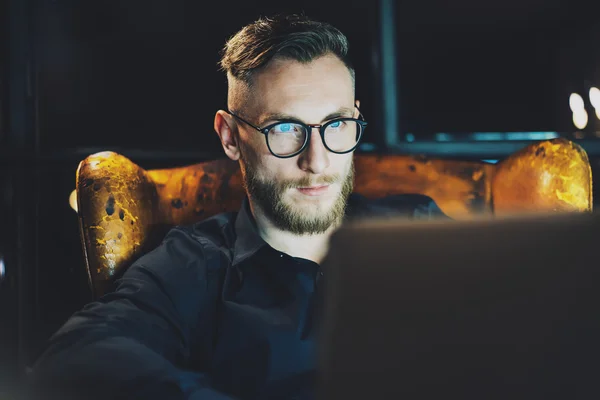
(144, 74)
(469, 66)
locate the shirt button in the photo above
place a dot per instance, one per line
(321, 273)
(281, 255)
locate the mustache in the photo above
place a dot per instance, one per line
(308, 181)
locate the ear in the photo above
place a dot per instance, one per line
(356, 112)
(226, 128)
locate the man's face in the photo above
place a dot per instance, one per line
(305, 194)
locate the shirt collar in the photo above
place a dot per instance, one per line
(248, 240)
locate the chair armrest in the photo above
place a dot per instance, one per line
(548, 176)
(117, 209)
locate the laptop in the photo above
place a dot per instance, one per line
(484, 309)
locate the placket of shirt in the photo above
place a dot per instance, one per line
(313, 270)
(304, 284)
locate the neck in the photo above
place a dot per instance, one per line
(311, 247)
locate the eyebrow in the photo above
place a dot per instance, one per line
(341, 112)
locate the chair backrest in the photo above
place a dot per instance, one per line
(125, 210)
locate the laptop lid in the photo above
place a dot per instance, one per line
(484, 309)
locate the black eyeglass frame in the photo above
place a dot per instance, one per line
(308, 127)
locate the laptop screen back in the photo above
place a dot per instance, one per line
(471, 310)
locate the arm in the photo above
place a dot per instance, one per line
(138, 341)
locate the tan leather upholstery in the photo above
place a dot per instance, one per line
(125, 210)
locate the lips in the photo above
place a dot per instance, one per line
(314, 190)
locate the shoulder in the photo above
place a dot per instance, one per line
(186, 267)
(412, 206)
(217, 231)
(189, 250)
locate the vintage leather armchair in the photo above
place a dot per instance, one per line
(125, 210)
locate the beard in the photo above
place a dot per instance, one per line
(268, 196)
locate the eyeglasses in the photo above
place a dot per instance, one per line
(289, 138)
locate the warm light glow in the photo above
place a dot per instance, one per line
(576, 102)
(73, 200)
(580, 119)
(595, 98)
(598, 112)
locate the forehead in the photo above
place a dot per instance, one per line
(303, 89)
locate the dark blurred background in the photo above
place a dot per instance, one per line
(463, 79)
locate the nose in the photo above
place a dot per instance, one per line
(315, 158)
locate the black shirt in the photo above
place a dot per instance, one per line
(213, 313)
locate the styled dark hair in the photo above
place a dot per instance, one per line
(291, 36)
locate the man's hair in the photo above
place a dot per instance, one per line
(294, 37)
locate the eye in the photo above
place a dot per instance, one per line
(287, 128)
(335, 125)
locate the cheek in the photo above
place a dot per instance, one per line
(343, 164)
(253, 149)
(257, 142)
(263, 165)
